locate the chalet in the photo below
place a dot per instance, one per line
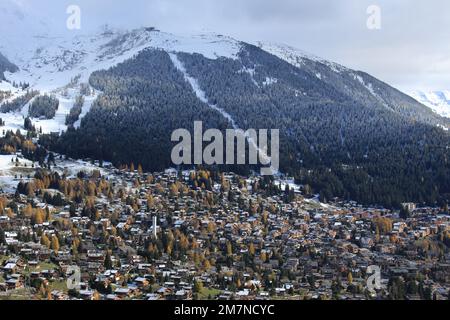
(152, 297)
(10, 268)
(48, 274)
(123, 293)
(86, 294)
(14, 283)
(141, 282)
(182, 295)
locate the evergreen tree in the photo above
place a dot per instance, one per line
(405, 213)
(108, 262)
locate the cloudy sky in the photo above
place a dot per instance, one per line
(410, 51)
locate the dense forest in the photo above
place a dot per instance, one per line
(18, 103)
(375, 146)
(331, 141)
(75, 111)
(143, 101)
(44, 106)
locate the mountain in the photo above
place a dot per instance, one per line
(366, 88)
(60, 65)
(438, 101)
(343, 132)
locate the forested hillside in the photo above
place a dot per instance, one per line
(345, 134)
(18, 103)
(378, 153)
(144, 100)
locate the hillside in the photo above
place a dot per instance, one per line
(370, 143)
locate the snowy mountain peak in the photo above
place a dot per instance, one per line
(58, 65)
(438, 101)
(50, 62)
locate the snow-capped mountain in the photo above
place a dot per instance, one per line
(51, 62)
(48, 60)
(60, 64)
(137, 87)
(438, 101)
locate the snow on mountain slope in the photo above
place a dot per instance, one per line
(201, 95)
(297, 57)
(438, 101)
(88, 101)
(15, 120)
(11, 173)
(55, 64)
(6, 86)
(49, 62)
(363, 88)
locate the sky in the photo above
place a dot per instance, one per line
(410, 51)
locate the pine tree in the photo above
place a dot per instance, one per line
(108, 262)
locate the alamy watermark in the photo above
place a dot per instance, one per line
(374, 19)
(234, 146)
(73, 22)
(73, 278)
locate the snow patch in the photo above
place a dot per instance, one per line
(250, 72)
(296, 57)
(270, 81)
(438, 101)
(15, 120)
(88, 101)
(11, 172)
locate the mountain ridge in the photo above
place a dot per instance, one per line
(438, 101)
(52, 64)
